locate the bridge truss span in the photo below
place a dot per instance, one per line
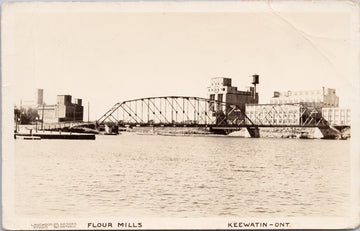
(176, 111)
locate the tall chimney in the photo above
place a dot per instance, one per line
(39, 96)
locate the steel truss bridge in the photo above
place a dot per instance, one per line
(180, 111)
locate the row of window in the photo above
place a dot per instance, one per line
(265, 110)
(273, 115)
(279, 101)
(219, 97)
(304, 92)
(336, 117)
(223, 89)
(342, 111)
(278, 121)
(337, 121)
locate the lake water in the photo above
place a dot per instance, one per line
(150, 175)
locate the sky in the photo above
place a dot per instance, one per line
(114, 53)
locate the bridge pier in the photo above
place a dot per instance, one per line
(331, 132)
(254, 132)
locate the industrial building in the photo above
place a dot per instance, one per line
(283, 114)
(325, 97)
(64, 110)
(270, 114)
(337, 116)
(222, 90)
(294, 107)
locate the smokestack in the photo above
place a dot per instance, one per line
(40, 96)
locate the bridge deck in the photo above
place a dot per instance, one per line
(214, 126)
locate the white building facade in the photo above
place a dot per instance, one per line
(325, 97)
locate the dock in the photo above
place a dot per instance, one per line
(67, 136)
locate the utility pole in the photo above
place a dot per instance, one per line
(36, 122)
(42, 118)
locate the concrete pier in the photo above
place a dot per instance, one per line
(254, 132)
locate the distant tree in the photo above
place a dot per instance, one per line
(17, 113)
(25, 116)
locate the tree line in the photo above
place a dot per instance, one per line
(25, 116)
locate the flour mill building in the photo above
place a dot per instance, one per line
(64, 109)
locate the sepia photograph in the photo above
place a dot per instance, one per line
(184, 115)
